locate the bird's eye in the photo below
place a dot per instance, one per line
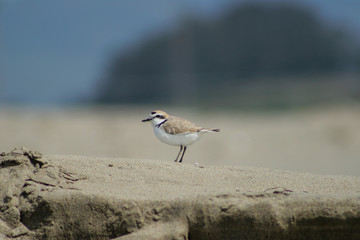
(160, 116)
(153, 113)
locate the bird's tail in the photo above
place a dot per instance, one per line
(209, 130)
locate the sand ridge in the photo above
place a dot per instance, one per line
(79, 197)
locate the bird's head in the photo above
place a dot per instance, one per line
(156, 117)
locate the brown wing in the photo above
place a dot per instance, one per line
(176, 125)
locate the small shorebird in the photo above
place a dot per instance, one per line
(176, 131)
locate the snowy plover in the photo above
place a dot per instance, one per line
(176, 131)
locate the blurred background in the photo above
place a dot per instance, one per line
(281, 79)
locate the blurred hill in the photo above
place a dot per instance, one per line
(255, 55)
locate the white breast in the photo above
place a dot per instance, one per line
(185, 139)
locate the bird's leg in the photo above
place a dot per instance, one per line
(181, 148)
(182, 154)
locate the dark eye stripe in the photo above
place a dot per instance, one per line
(160, 116)
(153, 112)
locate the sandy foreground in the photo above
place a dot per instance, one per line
(320, 140)
(79, 197)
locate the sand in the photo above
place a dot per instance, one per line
(320, 140)
(79, 197)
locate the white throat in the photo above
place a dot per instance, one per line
(157, 121)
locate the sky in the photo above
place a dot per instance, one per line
(55, 52)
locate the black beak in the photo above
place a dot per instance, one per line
(148, 119)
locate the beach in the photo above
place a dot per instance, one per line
(320, 140)
(79, 197)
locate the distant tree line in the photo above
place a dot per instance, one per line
(249, 42)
